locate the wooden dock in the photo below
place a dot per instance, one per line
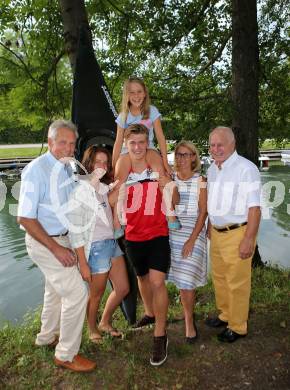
(14, 163)
(273, 154)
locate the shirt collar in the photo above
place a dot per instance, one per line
(229, 161)
(52, 160)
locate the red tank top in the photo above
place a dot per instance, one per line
(145, 213)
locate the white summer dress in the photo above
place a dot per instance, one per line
(190, 272)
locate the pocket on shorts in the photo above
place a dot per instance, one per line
(102, 249)
(96, 248)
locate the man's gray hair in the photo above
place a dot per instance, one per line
(225, 130)
(60, 124)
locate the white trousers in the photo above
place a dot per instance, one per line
(65, 300)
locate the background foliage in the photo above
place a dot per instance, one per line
(181, 48)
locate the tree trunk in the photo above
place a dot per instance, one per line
(74, 16)
(245, 77)
(245, 80)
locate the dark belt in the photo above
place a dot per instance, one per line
(230, 227)
(60, 235)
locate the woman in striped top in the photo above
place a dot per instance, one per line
(188, 245)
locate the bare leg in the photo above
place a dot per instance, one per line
(97, 288)
(188, 300)
(146, 294)
(119, 278)
(160, 301)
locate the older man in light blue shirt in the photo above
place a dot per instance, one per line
(46, 196)
(44, 193)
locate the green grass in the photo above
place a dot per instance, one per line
(21, 152)
(270, 289)
(123, 364)
(275, 163)
(273, 145)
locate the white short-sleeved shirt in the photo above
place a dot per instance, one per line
(232, 190)
(46, 184)
(138, 119)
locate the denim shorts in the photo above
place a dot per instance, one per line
(101, 255)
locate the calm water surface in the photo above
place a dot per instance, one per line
(21, 286)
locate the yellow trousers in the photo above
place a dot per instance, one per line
(231, 278)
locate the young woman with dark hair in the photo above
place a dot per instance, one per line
(92, 237)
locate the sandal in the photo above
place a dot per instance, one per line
(95, 338)
(109, 330)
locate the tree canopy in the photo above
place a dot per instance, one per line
(181, 48)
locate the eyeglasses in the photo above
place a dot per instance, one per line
(184, 155)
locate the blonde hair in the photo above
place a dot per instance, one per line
(125, 103)
(196, 164)
(136, 129)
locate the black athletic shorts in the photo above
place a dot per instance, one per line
(151, 254)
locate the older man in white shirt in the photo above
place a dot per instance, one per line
(234, 217)
(44, 194)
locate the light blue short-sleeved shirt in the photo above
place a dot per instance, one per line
(46, 184)
(138, 119)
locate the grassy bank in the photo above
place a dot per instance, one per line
(21, 152)
(261, 360)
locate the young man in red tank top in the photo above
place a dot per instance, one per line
(147, 242)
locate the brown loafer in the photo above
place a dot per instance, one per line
(54, 343)
(51, 345)
(78, 364)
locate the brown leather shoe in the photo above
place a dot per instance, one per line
(78, 364)
(51, 345)
(54, 343)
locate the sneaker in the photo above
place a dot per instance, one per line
(159, 354)
(144, 321)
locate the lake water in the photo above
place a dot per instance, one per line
(21, 287)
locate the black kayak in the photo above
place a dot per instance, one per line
(94, 113)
